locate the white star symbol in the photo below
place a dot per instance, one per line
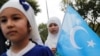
(91, 43)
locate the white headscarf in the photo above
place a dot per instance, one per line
(52, 39)
(30, 16)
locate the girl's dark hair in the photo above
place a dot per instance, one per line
(33, 41)
(3, 47)
(28, 26)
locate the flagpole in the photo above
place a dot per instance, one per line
(66, 5)
(47, 9)
(68, 1)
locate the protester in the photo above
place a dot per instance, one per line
(53, 26)
(18, 25)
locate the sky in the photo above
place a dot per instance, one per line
(54, 10)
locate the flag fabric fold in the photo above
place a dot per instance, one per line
(76, 38)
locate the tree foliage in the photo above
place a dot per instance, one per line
(2, 2)
(89, 10)
(43, 31)
(92, 8)
(33, 3)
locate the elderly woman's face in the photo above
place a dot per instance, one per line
(13, 24)
(53, 28)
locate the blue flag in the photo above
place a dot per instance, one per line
(76, 38)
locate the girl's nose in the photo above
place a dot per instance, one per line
(10, 24)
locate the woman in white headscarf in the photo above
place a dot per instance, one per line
(53, 26)
(18, 25)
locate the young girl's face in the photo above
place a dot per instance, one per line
(13, 24)
(53, 28)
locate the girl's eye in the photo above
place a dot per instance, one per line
(55, 24)
(15, 18)
(50, 25)
(3, 20)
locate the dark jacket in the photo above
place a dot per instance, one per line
(2, 43)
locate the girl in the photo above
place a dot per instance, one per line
(18, 25)
(53, 26)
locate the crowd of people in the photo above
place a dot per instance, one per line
(19, 31)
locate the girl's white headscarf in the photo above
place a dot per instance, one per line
(30, 16)
(52, 39)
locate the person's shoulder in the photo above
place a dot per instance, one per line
(44, 50)
(4, 54)
(39, 50)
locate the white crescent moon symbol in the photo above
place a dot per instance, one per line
(72, 33)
